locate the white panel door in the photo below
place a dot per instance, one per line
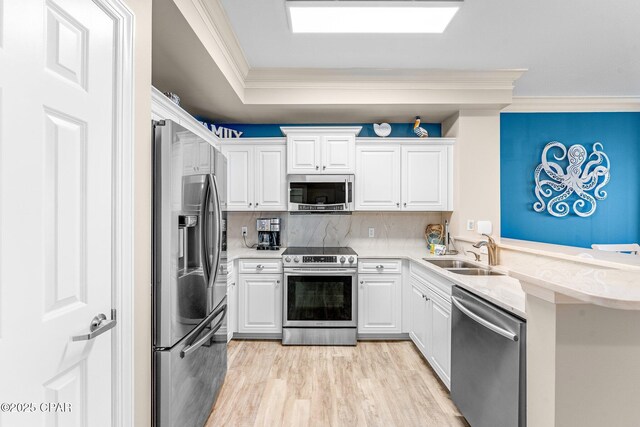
(379, 304)
(240, 177)
(441, 338)
(338, 154)
(377, 185)
(260, 303)
(271, 178)
(303, 154)
(424, 178)
(58, 254)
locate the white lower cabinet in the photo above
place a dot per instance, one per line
(232, 302)
(260, 303)
(420, 309)
(440, 355)
(379, 303)
(430, 326)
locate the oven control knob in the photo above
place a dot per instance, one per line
(351, 259)
(296, 259)
(288, 259)
(342, 260)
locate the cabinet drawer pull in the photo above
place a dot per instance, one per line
(259, 266)
(379, 267)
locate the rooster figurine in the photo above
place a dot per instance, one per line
(420, 131)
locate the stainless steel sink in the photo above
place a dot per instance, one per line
(474, 272)
(450, 263)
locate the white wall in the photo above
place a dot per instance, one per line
(477, 169)
(142, 212)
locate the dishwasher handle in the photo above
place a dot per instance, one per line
(497, 329)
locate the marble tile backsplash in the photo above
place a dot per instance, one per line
(392, 229)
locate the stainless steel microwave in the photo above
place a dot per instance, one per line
(316, 194)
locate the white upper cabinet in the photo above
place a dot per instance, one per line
(397, 175)
(321, 150)
(338, 154)
(425, 179)
(240, 179)
(377, 185)
(271, 180)
(303, 154)
(256, 177)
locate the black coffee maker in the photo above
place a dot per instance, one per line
(268, 233)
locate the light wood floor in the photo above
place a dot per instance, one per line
(373, 384)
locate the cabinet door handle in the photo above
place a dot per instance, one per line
(256, 204)
(405, 204)
(362, 282)
(397, 205)
(317, 167)
(324, 167)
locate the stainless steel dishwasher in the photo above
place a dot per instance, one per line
(488, 362)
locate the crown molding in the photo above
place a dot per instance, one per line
(300, 86)
(530, 104)
(210, 22)
(324, 130)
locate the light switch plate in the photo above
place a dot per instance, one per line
(372, 232)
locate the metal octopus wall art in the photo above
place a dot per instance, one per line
(578, 178)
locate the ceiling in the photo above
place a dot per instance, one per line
(570, 47)
(236, 61)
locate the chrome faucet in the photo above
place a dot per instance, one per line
(492, 249)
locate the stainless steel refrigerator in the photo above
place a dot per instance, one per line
(189, 276)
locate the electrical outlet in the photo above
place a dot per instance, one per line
(372, 232)
(471, 224)
(244, 231)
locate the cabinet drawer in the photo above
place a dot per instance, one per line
(437, 283)
(393, 266)
(253, 266)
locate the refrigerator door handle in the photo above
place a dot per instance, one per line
(193, 346)
(213, 186)
(495, 328)
(204, 225)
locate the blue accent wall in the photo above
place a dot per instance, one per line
(398, 130)
(522, 139)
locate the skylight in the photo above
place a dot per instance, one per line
(349, 16)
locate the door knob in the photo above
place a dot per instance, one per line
(98, 326)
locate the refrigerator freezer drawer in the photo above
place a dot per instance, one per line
(187, 378)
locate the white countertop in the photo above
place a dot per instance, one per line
(619, 289)
(504, 291)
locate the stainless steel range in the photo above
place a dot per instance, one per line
(320, 296)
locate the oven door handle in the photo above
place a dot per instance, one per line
(320, 270)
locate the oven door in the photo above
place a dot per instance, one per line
(320, 297)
